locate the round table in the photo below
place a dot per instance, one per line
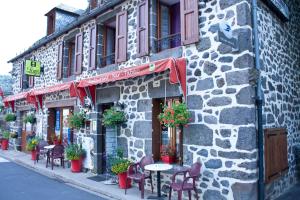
(158, 168)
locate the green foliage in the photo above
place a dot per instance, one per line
(10, 117)
(174, 116)
(13, 135)
(74, 152)
(76, 120)
(113, 117)
(6, 135)
(119, 164)
(31, 144)
(30, 118)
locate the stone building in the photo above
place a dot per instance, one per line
(85, 49)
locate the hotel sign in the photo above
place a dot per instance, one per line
(32, 68)
(280, 8)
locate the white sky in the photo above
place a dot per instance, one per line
(23, 23)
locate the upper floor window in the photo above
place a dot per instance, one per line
(25, 80)
(50, 23)
(93, 4)
(69, 58)
(169, 30)
(109, 43)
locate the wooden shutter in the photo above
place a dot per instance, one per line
(121, 37)
(276, 161)
(143, 28)
(22, 74)
(78, 53)
(189, 21)
(31, 81)
(92, 48)
(60, 60)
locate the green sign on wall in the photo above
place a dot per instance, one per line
(32, 68)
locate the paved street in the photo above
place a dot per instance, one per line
(19, 183)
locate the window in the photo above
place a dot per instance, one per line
(68, 69)
(165, 136)
(109, 42)
(169, 27)
(25, 81)
(50, 23)
(93, 4)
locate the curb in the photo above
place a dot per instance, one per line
(62, 178)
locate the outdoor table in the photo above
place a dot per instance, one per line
(158, 168)
(49, 147)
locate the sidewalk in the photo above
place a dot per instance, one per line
(77, 179)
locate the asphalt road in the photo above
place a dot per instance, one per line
(19, 183)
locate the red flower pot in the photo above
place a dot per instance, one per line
(168, 159)
(122, 180)
(76, 165)
(33, 155)
(4, 144)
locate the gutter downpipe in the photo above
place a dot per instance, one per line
(259, 103)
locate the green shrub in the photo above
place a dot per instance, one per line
(10, 117)
(112, 117)
(6, 135)
(30, 118)
(76, 120)
(118, 163)
(31, 144)
(74, 152)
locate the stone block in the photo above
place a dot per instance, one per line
(107, 95)
(244, 61)
(142, 129)
(244, 190)
(159, 92)
(246, 138)
(209, 68)
(219, 101)
(238, 175)
(237, 116)
(204, 45)
(144, 105)
(213, 164)
(195, 102)
(225, 144)
(237, 77)
(246, 96)
(123, 144)
(198, 134)
(243, 14)
(213, 195)
(236, 155)
(205, 84)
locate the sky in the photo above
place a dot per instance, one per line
(23, 23)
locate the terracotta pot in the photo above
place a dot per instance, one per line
(122, 180)
(76, 165)
(168, 159)
(33, 155)
(4, 144)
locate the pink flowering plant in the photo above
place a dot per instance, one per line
(175, 116)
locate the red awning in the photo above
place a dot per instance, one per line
(36, 96)
(177, 69)
(10, 100)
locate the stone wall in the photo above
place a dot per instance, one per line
(280, 59)
(222, 133)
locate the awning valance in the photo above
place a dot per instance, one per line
(10, 100)
(177, 69)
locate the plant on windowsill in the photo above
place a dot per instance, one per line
(5, 139)
(167, 154)
(177, 115)
(75, 154)
(76, 120)
(31, 146)
(113, 117)
(119, 166)
(30, 118)
(10, 117)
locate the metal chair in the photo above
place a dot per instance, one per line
(40, 151)
(56, 153)
(193, 173)
(136, 172)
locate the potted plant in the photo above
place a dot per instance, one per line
(10, 117)
(119, 167)
(74, 153)
(175, 116)
(76, 120)
(113, 117)
(5, 139)
(30, 118)
(31, 146)
(168, 154)
(14, 135)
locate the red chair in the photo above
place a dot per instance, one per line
(56, 153)
(193, 174)
(136, 172)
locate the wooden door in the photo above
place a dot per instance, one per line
(51, 124)
(156, 127)
(23, 140)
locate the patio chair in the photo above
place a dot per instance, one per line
(56, 153)
(136, 172)
(40, 151)
(193, 174)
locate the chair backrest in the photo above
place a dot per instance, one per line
(42, 144)
(194, 170)
(146, 160)
(58, 151)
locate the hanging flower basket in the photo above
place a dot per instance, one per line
(175, 116)
(76, 120)
(30, 118)
(112, 117)
(10, 117)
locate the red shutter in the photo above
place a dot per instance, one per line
(22, 72)
(121, 37)
(78, 53)
(92, 48)
(189, 21)
(142, 28)
(60, 60)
